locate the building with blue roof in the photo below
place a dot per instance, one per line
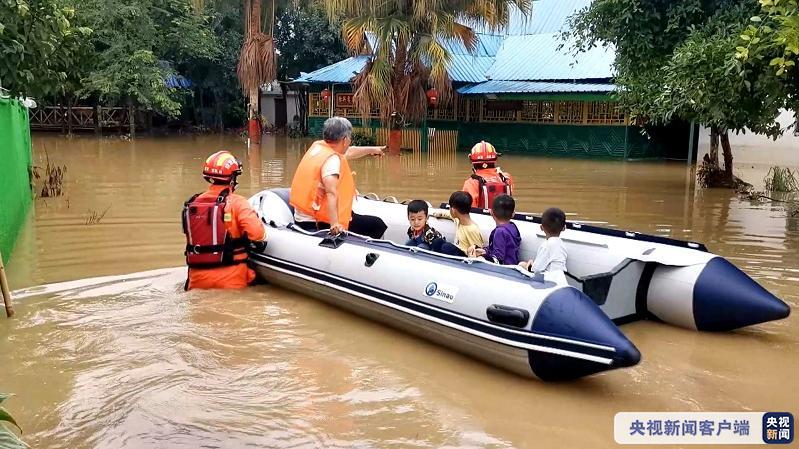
(525, 86)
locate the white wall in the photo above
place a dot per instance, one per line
(753, 148)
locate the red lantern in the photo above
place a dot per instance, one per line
(325, 94)
(432, 97)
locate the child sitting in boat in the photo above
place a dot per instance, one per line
(504, 241)
(420, 234)
(467, 233)
(551, 255)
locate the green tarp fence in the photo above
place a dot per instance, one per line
(15, 161)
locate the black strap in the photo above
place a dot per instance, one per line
(216, 264)
(642, 291)
(222, 196)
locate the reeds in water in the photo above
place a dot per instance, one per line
(53, 185)
(95, 217)
(781, 179)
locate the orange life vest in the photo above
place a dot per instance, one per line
(486, 184)
(239, 221)
(208, 241)
(308, 193)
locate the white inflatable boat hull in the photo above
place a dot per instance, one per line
(631, 276)
(500, 315)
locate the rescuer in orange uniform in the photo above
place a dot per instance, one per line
(487, 180)
(219, 227)
(323, 188)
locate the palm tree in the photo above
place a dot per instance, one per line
(258, 61)
(410, 48)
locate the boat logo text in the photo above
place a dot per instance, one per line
(441, 292)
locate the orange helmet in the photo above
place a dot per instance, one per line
(222, 166)
(483, 152)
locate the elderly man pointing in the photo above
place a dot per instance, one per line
(323, 188)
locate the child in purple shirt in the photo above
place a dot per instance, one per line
(503, 244)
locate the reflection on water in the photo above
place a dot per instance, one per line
(132, 361)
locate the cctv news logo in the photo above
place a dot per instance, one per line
(704, 428)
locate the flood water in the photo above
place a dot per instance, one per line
(131, 361)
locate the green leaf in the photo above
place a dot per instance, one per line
(780, 71)
(745, 37)
(755, 19)
(5, 416)
(8, 440)
(776, 61)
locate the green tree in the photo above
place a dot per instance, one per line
(410, 51)
(217, 96)
(306, 41)
(772, 38)
(37, 41)
(137, 44)
(677, 59)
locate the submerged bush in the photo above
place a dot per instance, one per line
(363, 139)
(781, 179)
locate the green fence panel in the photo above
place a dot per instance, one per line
(15, 154)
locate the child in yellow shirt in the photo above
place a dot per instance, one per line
(467, 233)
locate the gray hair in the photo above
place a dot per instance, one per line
(336, 129)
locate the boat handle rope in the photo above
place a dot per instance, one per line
(416, 250)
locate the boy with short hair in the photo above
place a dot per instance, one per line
(467, 233)
(420, 234)
(551, 255)
(504, 241)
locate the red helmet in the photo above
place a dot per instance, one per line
(483, 152)
(222, 166)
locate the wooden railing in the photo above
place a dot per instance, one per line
(465, 109)
(81, 118)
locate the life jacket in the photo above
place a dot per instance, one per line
(208, 243)
(309, 197)
(492, 184)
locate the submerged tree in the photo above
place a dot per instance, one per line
(677, 60)
(258, 61)
(136, 46)
(410, 39)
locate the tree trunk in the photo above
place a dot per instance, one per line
(254, 27)
(131, 118)
(69, 117)
(98, 120)
(714, 146)
(218, 122)
(725, 146)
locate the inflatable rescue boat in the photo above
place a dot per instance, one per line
(550, 328)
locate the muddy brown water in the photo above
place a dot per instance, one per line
(131, 361)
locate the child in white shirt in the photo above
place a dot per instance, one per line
(551, 255)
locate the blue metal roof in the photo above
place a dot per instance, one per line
(178, 82)
(527, 51)
(340, 72)
(547, 16)
(469, 69)
(507, 87)
(537, 57)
